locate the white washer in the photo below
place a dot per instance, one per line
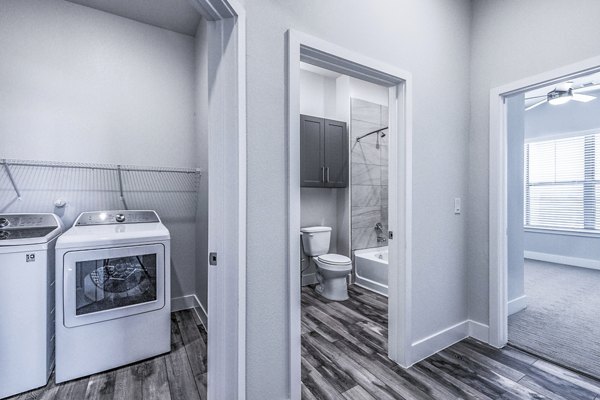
(113, 292)
(26, 300)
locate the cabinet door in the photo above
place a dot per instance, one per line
(336, 154)
(312, 133)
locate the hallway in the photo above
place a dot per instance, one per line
(344, 356)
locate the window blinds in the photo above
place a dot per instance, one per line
(561, 183)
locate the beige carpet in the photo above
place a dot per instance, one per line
(562, 319)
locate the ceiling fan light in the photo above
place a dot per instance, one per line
(557, 96)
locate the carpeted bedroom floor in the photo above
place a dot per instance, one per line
(562, 319)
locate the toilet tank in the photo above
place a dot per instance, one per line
(315, 240)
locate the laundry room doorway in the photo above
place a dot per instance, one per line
(114, 109)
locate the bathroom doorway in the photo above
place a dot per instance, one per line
(349, 124)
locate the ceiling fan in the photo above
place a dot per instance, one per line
(563, 93)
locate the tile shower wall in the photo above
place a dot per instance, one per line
(369, 173)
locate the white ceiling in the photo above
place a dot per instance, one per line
(174, 15)
(584, 80)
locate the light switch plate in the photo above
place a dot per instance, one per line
(457, 205)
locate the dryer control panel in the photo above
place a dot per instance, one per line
(117, 217)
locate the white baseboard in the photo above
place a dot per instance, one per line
(423, 348)
(184, 303)
(566, 260)
(437, 342)
(516, 305)
(202, 314)
(190, 302)
(479, 331)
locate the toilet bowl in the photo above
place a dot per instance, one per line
(332, 269)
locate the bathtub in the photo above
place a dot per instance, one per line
(371, 269)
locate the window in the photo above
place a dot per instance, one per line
(561, 183)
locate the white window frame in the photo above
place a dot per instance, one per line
(560, 230)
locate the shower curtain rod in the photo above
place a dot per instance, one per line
(370, 133)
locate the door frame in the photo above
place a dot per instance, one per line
(226, 34)
(498, 178)
(307, 48)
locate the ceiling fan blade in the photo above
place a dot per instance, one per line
(539, 103)
(587, 88)
(584, 98)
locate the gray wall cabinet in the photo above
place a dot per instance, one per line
(323, 152)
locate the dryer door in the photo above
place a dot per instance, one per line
(105, 284)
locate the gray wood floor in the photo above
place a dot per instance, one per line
(179, 375)
(344, 356)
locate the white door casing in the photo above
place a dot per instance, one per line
(226, 34)
(498, 200)
(306, 48)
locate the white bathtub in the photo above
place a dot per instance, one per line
(371, 269)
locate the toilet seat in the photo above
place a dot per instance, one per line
(335, 260)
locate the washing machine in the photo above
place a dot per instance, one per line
(113, 291)
(27, 244)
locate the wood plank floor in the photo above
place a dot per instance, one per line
(179, 375)
(344, 356)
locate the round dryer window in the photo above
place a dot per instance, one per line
(115, 282)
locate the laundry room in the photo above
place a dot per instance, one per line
(103, 123)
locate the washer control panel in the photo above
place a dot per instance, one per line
(31, 227)
(26, 221)
(116, 217)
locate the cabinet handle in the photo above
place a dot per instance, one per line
(323, 174)
(327, 168)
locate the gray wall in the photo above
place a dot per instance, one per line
(511, 41)
(319, 206)
(81, 85)
(575, 246)
(515, 155)
(369, 173)
(430, 38)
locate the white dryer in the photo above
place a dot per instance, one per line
(26, 300)
(113, 291)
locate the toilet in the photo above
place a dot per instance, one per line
(332, 269)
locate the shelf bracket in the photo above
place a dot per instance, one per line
(11, 178)
(121, 187)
